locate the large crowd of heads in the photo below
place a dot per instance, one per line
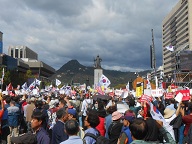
(65, 119)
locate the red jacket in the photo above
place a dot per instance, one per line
(101, 126)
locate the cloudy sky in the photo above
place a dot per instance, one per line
(119, 31)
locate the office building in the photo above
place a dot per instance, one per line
(177, 32)
(39, 68)
(22, 52)
(25, 55)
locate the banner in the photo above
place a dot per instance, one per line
(146, 98)
(185, 93)
(157, 92)
(169, 95)
(118, 92)
(139, 89)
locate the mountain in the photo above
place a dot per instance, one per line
(74, 72)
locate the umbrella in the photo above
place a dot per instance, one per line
(103, 97)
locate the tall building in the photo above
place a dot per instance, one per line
(22, 52)
(25, 55)
(177, 32)
(1, 42)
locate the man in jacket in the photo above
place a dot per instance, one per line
(58, 134)
(36, 124)
(13, 119)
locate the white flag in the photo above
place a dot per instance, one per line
(58, 82)
(32, 86)
(170, 48)
(127, 86)
(155, 113)
(38, 82)
(104, 81)
(24, 86)
(148, 84)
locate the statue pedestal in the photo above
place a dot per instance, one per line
(97, 75)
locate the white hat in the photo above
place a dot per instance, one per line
(168, 113)
(32, 99)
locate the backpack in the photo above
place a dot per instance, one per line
(99, 139)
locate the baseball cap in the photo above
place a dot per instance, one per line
(72, 112)
(129, 116)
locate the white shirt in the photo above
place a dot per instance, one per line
(168, 127)
(84, 105)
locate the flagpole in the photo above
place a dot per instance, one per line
(154, 60)
(2, 80)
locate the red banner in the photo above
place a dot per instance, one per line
(185, 93)
(169, 95)
(146, 98)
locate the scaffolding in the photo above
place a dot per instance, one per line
(183, 71)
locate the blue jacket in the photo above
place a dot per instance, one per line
(58, 134)
(127, 131)
(42, 136)
(13, 116)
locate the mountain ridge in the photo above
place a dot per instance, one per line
(74, 72)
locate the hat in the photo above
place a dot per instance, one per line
(72, 112)
(28, 138)
(129, 116)
(116, 115)
(32, 99)
(168, 113)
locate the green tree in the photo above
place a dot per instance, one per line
(29, 75)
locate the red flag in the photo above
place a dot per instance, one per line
(9, 87)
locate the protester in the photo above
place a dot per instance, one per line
(139, 130)
(5, 131)
(133, 107)
(37, 125)
(169, 115)
(186, 119)
(1, 114)
(87, 101)
(13, 120)
(39, 108)
(91, 122)
(29, 112)
(102, 114)
(115, 128)
(72, 114)
(108, 118)
(58, 133)
(153, 133)
(171, 104)
(125, 137)
(72, 128)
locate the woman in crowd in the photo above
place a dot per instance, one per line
(115, 127)
(101, 113)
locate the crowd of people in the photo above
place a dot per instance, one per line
(81, 119)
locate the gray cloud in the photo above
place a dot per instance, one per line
(119, 31)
